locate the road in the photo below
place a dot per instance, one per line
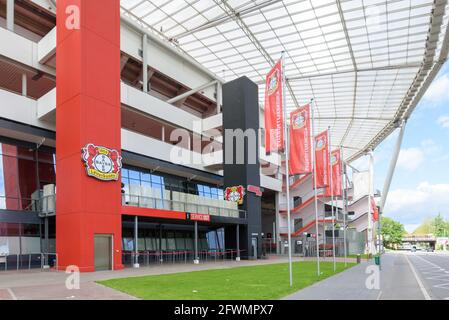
(404, 276)
(433, 270)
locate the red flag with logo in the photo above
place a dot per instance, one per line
(374, 210)
(300, 150)
(322, 160)
(336, 172)
(274, 133)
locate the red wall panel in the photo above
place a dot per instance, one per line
(88, 111)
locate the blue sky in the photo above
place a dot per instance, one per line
(420, 186)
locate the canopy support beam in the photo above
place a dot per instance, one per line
(190, 92)
(393, 162)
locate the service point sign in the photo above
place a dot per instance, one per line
(198, 217)
(102, 163)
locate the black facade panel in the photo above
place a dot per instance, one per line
(241, 111)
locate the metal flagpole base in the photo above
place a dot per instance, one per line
(196, 261)
(136, 266)
(237, 259)
(46, 266)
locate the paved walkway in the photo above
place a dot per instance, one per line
(397, 282)
(47, 285)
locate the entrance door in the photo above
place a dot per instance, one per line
(254, 247)
(103, 252)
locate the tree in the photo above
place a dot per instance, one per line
(439, 226)
(392, 232)
(424, 228)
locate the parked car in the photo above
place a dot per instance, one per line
(413, 249)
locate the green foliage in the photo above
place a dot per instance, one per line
(439, 226)
(392, 232)
(259, 282)
(424, 228)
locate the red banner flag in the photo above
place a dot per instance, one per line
(274, 133)
(322, 160)
(300, 149)
(374, 210)
(336, 172)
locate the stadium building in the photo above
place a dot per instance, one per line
(113, 121)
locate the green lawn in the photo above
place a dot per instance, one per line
(252, 282)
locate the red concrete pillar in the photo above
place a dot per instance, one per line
(88, 111)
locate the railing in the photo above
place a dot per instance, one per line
(47, 205)
(18, 203)
(338, 215)
(183, 206)
(28, 261)
(147, 258)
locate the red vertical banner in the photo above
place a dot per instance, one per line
(374, 210)
(274, 133)
(300, 149)
(336, 172)
(322, 160)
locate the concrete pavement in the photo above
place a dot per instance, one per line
(404, 276)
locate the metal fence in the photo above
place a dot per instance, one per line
(29, 261)
(147, 258)
(306, 247)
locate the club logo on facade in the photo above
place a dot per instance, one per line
(273, 82)
(299, 120)
(320, 143)
(235, 194)
(102, 163)
(333, 159)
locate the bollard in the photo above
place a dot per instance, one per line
(359, 258)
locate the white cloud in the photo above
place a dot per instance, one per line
(443, 121)
(438, 90)
(411, 158)
(411, 206)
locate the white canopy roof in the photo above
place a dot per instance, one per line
(366, 63)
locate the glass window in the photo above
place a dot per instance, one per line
(146, 184)
(209, 192)
(30, 230)
(133, 174)
(221, 238)
(145, 176)
(212, 240)
(10, 229)
(125, 181)
(156, 179)
(23, 172)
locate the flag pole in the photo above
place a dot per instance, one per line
(287, 173)
(369, 232)
(343, 202)
(312, 105)
(332, 196)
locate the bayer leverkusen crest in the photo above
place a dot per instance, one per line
(102, 163)
(235, 194)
